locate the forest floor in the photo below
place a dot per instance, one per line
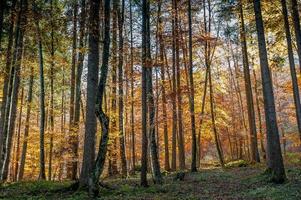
(244, 182)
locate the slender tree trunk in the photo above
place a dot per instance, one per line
(42, 174)
(179, 92)
(27, 124)
(14, 84)
(249, 95)
(164, 101)
(191, 97)
(296, 21)
(274, 156)
(113, 117)
(77, 105)
(292, 65)
(259, 117)
(133, 149)
(72, 132)
(18, 137)
(3, 7)
(120, 91)
(6, 77)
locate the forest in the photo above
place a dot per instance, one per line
(150, 99)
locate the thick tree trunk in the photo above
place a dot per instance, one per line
(249, 95)
(102, 117)
(274, 156)
(92, 81)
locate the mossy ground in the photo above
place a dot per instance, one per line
(247, 182)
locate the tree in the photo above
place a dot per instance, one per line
(72, 133)
(274, 156)
(249, 94)
(79, 70)
(191, 97)
(102, 117)
(296, 21)
(42, 174)
(92, 81)
(120, 90)
(26, 130)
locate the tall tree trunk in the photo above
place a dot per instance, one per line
(249, 95)
(292, 65)
(77, 105)
(14, 85)
(174, 103)
(72, 132)
(274, 156)
(18, 137)
(179, 92)
(42, 174)
(164, 101)
(5, 92)
(27, 124)
(296, 21)
(120, 91)
(133, 149)
(3, 7)
(259, 117)
(114, 62)
(191, 97)
(92, 81)
(102, 117)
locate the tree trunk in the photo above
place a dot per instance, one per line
(259, 118)
(71, 170)
(179, 92)
(102, 117)
(92, 81)
(249, 95)
(191, 97)
(27, 124)
(18, 137)
(296, 21)
(274, 156)
(292, 65)
(164, 101)
(42, 97)
(133, 150)
(14, 83)
(120, 91)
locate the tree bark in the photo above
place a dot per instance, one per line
(274, 156)
(120, 91)
(102, 117)
(92, 81)
(249, 94)
(292, 65)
